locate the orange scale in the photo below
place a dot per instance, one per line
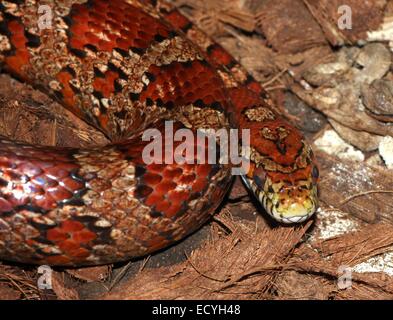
(199, 185)
(220, 56)
(173, 210)
(56, 235)
(177, 19)
(154, 199)
(18, 62)
(175, 79)
(155, 69)
(96, 15)
(165, 85)
(162, 78)
(163, 206)
(79, 253)
(106, 46)
(123, 43)
(143, 34)
(178, 196)
(80, 9)
(141, 43)
(187, 179)
(71, 226)
(68, 93)
(56, 172)
(151, 93)
(218, 94)
(91, 38)
(102, 4)
(206, 91)
(84, 236)
(127, 34)
(81, 18)
(68, 246)
(209, 99)
(152, 179)
(5, 206)
(98, 84)
(28, 169)
(165, 186)
(59, 193)
(172, 173)
(203, 170)
(162, 31)
(200, 93)
(78, 40)
(104, 120)
(196, 67)
(131, 15)
(45, 202)
(217, 82)
(19, 38)
(255, 86)
(103, 85)
(16, 28)
(156, 167)
(71, 184)
(207, 86)
(115, 27)
(114, 15)
(148, 29)
(198, 74)
(189, 167)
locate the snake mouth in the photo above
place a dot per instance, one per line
(289, 204)
(297, 211)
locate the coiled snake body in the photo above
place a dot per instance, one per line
(125, 66)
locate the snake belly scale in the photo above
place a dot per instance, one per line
(125, 66)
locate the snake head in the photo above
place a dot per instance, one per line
(286, 200)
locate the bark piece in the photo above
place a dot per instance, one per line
(378, 99)
(30, 116)
(360, 139)
(281, 21)
(364, 16)
(362, 190)
(228, 267)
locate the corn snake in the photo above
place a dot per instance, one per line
(124, 66)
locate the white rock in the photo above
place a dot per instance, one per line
(380, 263)
(332, 144)
(386, 151)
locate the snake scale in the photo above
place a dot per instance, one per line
(125, 66)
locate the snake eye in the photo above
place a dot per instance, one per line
(315, 173)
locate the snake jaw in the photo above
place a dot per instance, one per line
(286, 204)
(291, 210)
